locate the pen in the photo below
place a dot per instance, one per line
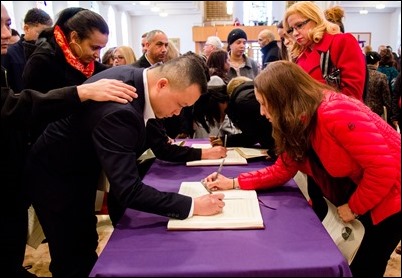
(206, 187)
(219, 169)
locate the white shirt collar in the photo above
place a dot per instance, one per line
(148, 111)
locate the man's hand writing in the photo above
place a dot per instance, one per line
(209, 204)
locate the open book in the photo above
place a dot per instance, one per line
(241, 211)
(233, 158)
(248, 153)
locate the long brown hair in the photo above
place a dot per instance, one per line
(292, 98)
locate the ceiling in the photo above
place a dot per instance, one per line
(135, 8)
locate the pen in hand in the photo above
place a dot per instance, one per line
(206, 187)
(219, 169)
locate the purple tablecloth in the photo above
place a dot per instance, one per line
(293, 243)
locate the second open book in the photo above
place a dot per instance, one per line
(241, 211)
(235, 156)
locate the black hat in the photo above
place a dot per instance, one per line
(372, 57)
(236, 34)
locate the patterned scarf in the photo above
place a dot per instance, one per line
(61, 40)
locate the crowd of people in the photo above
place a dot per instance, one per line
(68, 114)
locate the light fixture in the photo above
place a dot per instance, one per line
(155, 9)
(380, 6)
(163, 14)
(363, 11)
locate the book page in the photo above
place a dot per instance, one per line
(251, 152)
(241, 211)
(232, 158)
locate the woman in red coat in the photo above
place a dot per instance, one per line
(314, 35)
(348, 140)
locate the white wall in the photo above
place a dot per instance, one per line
(177, 26)
(384, 27)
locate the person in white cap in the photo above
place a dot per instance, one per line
(212, 43)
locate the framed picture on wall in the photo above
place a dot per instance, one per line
(364, 38)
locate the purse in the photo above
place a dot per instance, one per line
(330, 73)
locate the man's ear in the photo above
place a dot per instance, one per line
(162, 83)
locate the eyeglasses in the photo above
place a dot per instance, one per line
(298, 26)
(118, 57)
(346, 232)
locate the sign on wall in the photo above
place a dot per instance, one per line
(364, 38)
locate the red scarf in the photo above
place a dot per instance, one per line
(61, 40)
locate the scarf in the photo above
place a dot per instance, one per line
(61, 40)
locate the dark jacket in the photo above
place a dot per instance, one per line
(142, 62)
(270, 53)
(244, 111)
(157, 137)
(14, 61)
(157, 141)
(109, 136)
(47, 68)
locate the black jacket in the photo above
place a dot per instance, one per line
(244, 111)
(101, 135)
(270, 53)
(47, 68)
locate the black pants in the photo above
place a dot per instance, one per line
(379, 240)
(378, 243)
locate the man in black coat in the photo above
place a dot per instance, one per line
(65, 163)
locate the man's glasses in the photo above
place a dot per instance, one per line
(298, 26)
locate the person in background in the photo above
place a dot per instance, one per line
(212, 43)
(286, 42)
(388, 66)
(123, 55)
(157, 47)
(111, 137)
(18, 113)
(378, 94)
(240, 64)
(218, 63)
(107, 57)
(314, 35)
(238, 103)
(396, 103)
(269, 47)
(335, 15)
(319, 132)
(68, 52)
(172, 52)
(15, 36)
(367, 49)
(35, 21)
(144, 43)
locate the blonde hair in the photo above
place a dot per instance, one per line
(335, 15)
(311, 11)
(236, 82)
(128, 53)
(172, 51)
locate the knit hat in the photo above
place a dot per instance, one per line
(372, 57)
(215, 41)
(236, 34)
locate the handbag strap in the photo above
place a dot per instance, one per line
(325, 64)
